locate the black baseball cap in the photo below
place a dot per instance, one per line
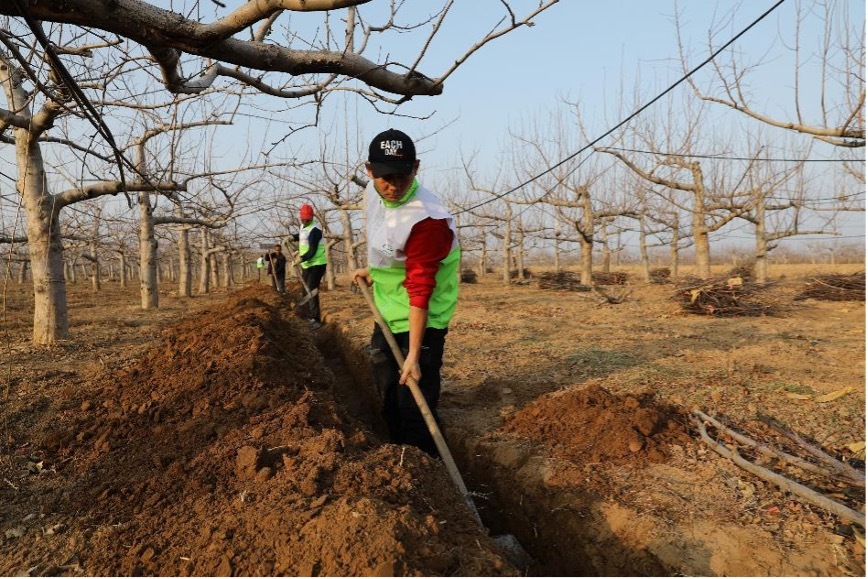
(391, 152)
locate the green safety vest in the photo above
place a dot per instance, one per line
(388, 228)
(319, 258)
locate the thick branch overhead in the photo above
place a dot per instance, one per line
(163, 32)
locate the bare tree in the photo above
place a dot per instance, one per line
(40, 90)
(29, 125)
(568, 187)
(838, 89)
(328, 59)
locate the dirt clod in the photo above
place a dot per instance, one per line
(593, 425)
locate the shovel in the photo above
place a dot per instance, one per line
(309, 295)
(515, 552)
(439, 442)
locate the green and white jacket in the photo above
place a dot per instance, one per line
(319, 258)
(388, 228)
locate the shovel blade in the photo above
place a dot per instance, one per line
(308, 297)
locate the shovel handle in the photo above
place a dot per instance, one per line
(439, 441)
(307, 292)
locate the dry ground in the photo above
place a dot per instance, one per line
(219, 435)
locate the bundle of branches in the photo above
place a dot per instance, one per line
(513, 273)
(468, 276)
(824, 470)
(835, 288)
(609, 278)
(660, 275)
(745, 272)
(562, 280)
(723, 297)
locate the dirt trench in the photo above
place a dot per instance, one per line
(597, 483)
(515, 491)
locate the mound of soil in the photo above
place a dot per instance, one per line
(222, 452)
(592, 425)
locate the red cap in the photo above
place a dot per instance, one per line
(306, 212)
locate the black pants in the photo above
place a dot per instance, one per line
(311, 277)
(403, 418)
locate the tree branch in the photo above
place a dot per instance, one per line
(784, 483)
(100, 189)
(167, 34)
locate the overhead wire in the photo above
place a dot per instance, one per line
(731, 158)
(635, 113)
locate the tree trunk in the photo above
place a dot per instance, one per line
(586, 241)
(618, 248)
(122, 267)
(94, 272)
(507, 238)
(22, 273)
(215, 271)
(94, 249)
(700, 228)
(348, 239)
(204, 270)
(586, 261)
(147, 254)
(519, 260)
(185, 273)
(227, 273)
(607, 251)
(643, 250)
(50, 317)
(231, 267)
(331, 282)
(557, 253)
(673, 255)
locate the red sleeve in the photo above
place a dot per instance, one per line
(429, 243)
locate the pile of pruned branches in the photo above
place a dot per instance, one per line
(525, 273)
(823, 470)
(835, 288)
(745, 272)
(723, 297)
(468, 276)
(609, 278)
(562, 280)
(660, 275)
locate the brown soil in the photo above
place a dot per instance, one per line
(220, 436)
(595, 426)
(546, 390)
(221, 451)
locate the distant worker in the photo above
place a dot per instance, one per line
(260, 265)
(278, 274)
(413, 261)
(311, 257)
